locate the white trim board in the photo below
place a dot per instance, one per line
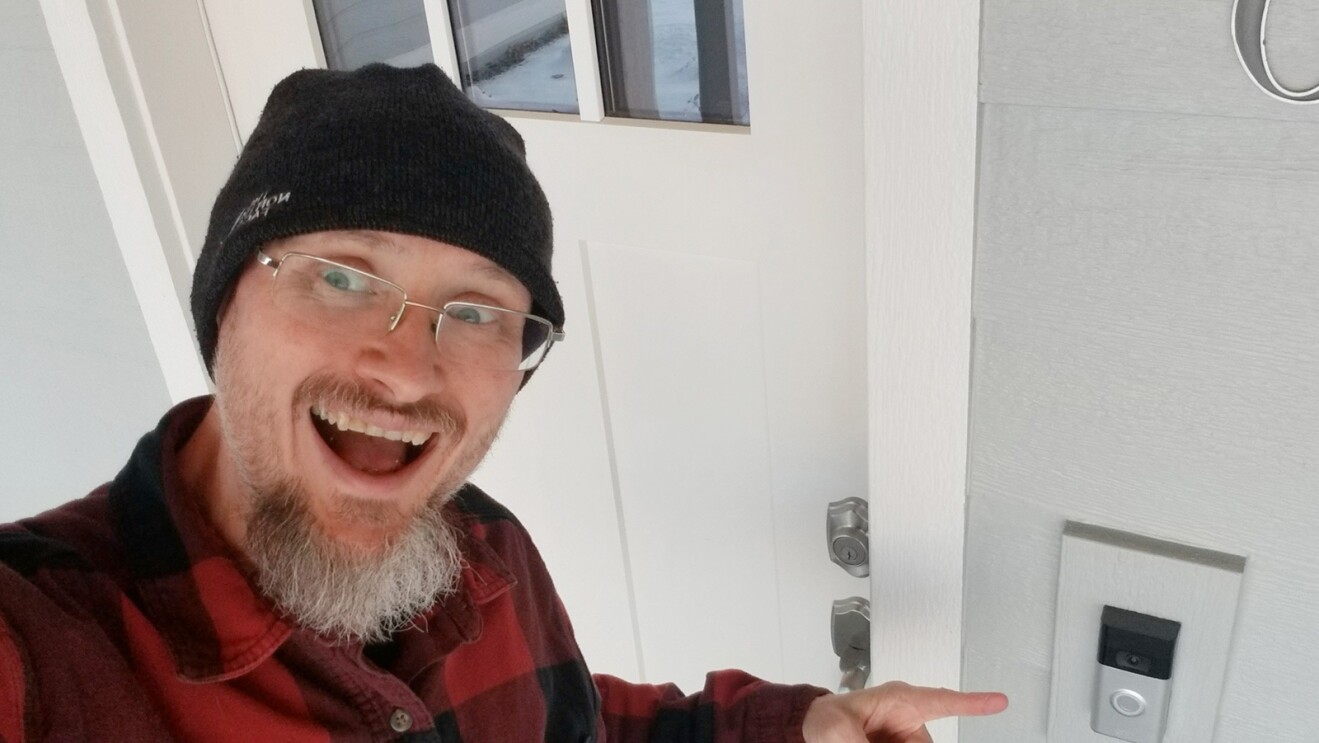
(585, 59)
(104, 130)
(921, 117)
(257, 44)
(444, 47)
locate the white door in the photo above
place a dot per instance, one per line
(674, 458)
(757, 318)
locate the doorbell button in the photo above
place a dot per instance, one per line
(1127, 702)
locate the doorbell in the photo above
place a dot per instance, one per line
(1134, 677)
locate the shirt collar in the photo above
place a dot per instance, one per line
(191, 588)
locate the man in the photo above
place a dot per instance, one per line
(299, 558)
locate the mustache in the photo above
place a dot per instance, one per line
(344, 394)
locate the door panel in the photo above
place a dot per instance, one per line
(685, 380)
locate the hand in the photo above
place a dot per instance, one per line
(891, 713)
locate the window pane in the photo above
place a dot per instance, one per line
(359, 32)
(515, 53)
(678, 60)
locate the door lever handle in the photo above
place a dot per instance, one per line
(854, 679)
(851, 639)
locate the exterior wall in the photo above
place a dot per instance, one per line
(78, 378)
(1146, 357)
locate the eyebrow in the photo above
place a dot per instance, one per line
(496, 272)
(489, 270)
(369, 240)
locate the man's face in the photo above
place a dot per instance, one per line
(293, 398)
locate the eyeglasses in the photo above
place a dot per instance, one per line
(350, 302)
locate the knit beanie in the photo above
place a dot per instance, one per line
(378, 148)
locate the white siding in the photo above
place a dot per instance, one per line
(1147, 338)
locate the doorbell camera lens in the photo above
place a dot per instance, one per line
(1133, 662)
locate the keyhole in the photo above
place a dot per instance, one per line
(849, 550)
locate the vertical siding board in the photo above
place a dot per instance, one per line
(1166, 56)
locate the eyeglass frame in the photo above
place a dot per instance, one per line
(556, 335)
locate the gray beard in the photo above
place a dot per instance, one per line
(347, 593)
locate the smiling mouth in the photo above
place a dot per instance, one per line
(368, 448)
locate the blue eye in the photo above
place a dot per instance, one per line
(346, 281)
(471, 314)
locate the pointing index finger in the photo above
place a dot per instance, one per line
(931, 703)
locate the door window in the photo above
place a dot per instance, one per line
(673, 60)
(515, 54)
(678, 60)
(356, 33)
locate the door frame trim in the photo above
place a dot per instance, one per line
(921, 72)
(135, 185)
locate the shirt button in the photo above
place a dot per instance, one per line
(400, 721)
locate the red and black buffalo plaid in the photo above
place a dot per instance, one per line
(124, 617)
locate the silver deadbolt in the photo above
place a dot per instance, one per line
(848, 531)
(851, 638)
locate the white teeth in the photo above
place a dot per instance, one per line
(345, 422)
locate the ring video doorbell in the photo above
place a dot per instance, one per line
(1134, 676)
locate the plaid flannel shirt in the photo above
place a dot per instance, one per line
(123, 616)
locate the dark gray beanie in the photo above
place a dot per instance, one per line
(378, 148)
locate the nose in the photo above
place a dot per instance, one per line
(404, 362)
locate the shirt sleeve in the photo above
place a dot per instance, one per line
(13, 687)
(733, 706)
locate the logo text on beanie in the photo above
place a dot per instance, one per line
(259, 208)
